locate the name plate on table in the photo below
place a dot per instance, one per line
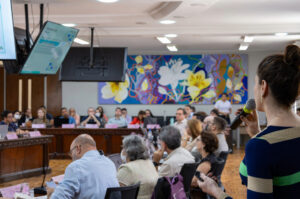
(69, 126)
(153, 126)
(33, 134)
(111, 126)
(9, 192)
(91, 126)
(133, 126)
(38, 126)
(11, 136)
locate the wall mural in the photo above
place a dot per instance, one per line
(179, 79)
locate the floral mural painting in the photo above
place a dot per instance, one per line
(179, 79)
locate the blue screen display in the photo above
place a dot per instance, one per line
(50, 49)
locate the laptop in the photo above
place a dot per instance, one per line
(58, 122)
(3, 131)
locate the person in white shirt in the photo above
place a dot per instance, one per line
(189, 111)
(180, 120)
(224, 107)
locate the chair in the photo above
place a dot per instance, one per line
(128, 192)
(116, 158)
(187, 172)
(223, 155)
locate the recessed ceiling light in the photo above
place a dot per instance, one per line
(248, 39)
(167, 22)
(108, 1)
(69, 24)
(172, 48)
(80, 41)
(163, 40)
(171, 35)
(243, 47)
(280, 34)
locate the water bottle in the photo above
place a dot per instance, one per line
(150, 135)
(171, 121)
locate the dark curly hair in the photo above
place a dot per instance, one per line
(210, 141)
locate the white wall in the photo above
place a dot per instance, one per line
(82, 95)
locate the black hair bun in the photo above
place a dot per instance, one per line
(292, 56)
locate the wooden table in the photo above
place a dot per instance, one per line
(108, 140)
(24, 157)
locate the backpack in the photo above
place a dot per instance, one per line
(169, 188)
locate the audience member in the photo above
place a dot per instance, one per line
(17, 117)
(91, 118)
(170, 139)
(138, 167)
(180, 120)
(140, 118)
(72, 113)
(65, 115)
(214, 112)
(200, 116)
(118, 119)
(48, 115)
(149, 113)
(26, 117)
(100, 114)
(89, 175)
(41, 118)
(193, 109)
(207, 144)
(224, 107)
(188, 111)
(193, 130)
(7, 117)
(217, 126)
(126, 116)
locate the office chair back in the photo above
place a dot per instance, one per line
(187, 172)
(128, 192)
(116, 158)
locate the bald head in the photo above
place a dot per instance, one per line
(82, 144)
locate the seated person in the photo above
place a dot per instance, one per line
(199, 116)
(65, 115)
(72, 113)
(207, 143)
(89, 175)
(92, 118)
(17, 117)
(48, 115)
(118, 119)
(180, 120)
(188, 111)
(26, 117)
(138, 167)
(100, 113)
(140, 118)
(126, 116)
(170, 139)
(41, 118)
(214, 112)
(193, 130)
(149, 113)
(217, 126)
(8, 120)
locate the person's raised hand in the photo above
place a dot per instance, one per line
(251, 122)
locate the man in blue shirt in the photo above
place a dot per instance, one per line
(92, 118)
(8, 120)
(65, 115)
(118, 119)
(89, 175)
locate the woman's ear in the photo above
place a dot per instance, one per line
(264, 88)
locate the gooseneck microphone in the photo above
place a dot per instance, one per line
(248, 108)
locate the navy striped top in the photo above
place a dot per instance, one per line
(271, 166)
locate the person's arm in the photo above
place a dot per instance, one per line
(105, 118)
(184, 140)
(86, 120)
(251, 123)
(77, 119)
(203, 168)
(124, 176)
(96, 120)
(70, 186)
(190, 146)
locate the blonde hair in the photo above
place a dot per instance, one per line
(195, 127)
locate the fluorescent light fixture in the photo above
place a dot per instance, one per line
(80, 41)
(248, 39)
(243, 47)
(281, 34)
(163, 40)
(171, 35)
(167, 22)
(108, 1)
(172, 48)
(69, 24)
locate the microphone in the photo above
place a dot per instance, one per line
(248, 108)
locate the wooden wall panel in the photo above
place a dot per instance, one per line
(1, 89)
(54, 94)
(12, 92)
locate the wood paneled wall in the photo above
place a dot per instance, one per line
(1, 89)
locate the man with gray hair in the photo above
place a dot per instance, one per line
(89, 175)
(170, 139)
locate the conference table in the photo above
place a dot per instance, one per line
(107, 140)
(24, 157)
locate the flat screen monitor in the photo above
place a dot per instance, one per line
(109, 64)
(7, 36)
(49, 49)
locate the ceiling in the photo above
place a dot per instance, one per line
(203, 26)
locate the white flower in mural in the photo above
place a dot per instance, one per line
(162, 90)
(172, 75)
(116, 90)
